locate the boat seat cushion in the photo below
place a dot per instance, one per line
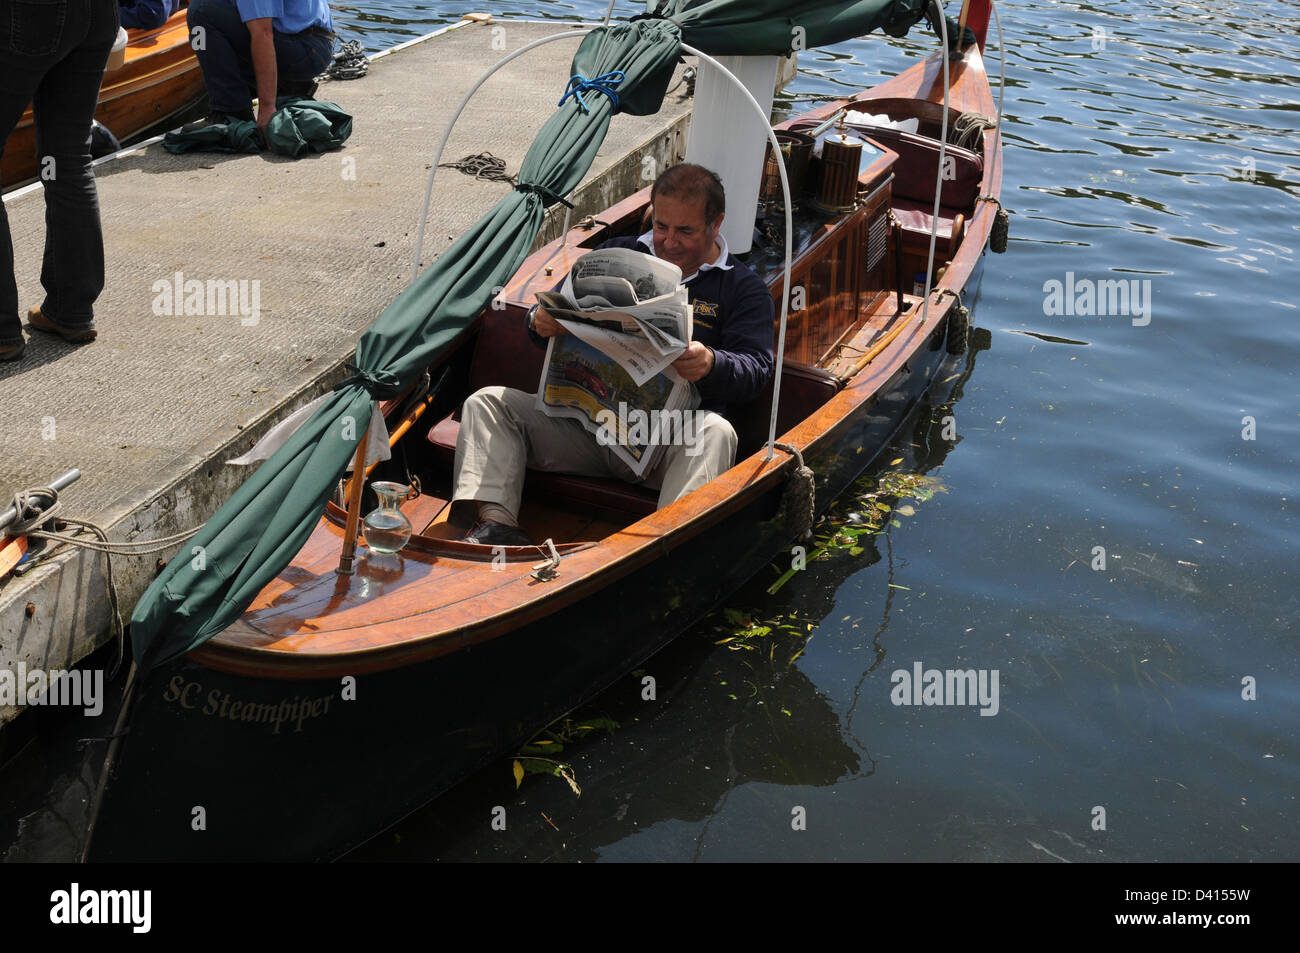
(506, 353)
(915, 218)
(914, 171)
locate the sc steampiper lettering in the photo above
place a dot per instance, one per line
(222, 704)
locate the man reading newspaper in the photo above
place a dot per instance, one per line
(728, 361)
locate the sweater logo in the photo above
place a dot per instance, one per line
(704, 309)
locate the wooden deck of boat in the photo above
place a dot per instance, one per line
(150, 410)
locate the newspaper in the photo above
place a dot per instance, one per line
(629, 318)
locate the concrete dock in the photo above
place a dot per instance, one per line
(313, 249)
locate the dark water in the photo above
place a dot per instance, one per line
(1146, 142)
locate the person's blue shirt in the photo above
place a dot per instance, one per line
(146, 14)
(287, 16)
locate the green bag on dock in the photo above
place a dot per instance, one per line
(305, 125)
(299, 126)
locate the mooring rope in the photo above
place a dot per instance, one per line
(483, 165)
(968, 130)
(350, 62)
(37, 506)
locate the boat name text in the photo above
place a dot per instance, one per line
(222, 704)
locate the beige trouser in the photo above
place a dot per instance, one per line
(502, 432)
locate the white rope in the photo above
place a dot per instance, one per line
(1002, 85)
(943, 152)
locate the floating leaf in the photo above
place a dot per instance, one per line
(906, 510)
(894, 463)
(566, 772)
(519, 773)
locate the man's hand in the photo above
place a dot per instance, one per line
(694, 363)
(262, 44)
(547, 326)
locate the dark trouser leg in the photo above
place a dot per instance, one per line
(17, 84)
(73, 269)
(223, 47)
(300, 58)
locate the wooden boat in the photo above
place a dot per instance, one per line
(337, 704)
(159, 80)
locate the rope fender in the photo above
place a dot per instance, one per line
(799, 495)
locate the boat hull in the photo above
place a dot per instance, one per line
(306, 770)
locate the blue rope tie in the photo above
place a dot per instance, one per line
(604, 83)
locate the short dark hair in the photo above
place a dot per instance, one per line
(693, 183)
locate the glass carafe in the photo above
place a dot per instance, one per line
(386, 528)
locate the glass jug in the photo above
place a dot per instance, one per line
(386, 528)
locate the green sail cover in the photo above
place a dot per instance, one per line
(250, 539)
(776, 27)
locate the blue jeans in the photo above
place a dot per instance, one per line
(52, 55)
(227, 57)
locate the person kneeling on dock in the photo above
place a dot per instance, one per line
(146, 14)
(728, 361)
(262, 48)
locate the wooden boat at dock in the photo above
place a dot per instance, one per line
(159, 80)
(338, 704)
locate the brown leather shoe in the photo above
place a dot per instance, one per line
(11, 352)
(40, 322)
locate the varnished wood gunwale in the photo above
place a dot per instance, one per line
(478, 603)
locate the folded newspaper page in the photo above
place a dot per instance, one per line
(629, 318)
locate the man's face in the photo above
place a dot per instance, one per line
(682, 236)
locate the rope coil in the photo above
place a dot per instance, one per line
(483, 165)
(350, 62)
